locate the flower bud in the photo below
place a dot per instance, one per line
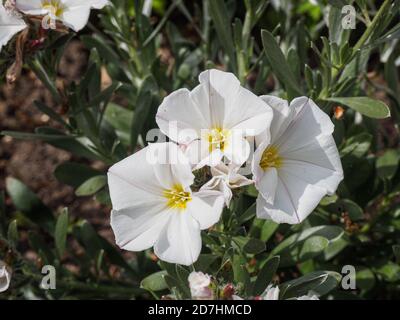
(5, 276)
(199, 284)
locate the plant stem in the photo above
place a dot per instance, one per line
(98, 288)
(384, 7)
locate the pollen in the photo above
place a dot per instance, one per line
(218, 139)
(270, 158)
(177, 197)
(55, 7)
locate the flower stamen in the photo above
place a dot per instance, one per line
(218, 139)
(177, 198)
(271, 158)
(54, 7)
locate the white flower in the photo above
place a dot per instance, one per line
(225, 178)
(308, 297)
(297, 163)
(5, 277)
(199, 284)
(153, 204)
(213, 119)
(271, 293)
(10, 25)
(73, 13)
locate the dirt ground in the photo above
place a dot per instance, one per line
(33, 162)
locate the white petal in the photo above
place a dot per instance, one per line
(206, 207)
(32, 7)
(282, 116)
(309, 122)
(222, 89)
(5, 277)
(219, 183)
(144, 176)
(95, 4)
(199, 154)
(138, 228)
(180, 240)
(76, 18)
(133, 181)
(323, 161)
(237, 149)
(271, 293)
(174, 169)
(294, 200)
(257, 171)
(180, 118)
(248, 113)
(236, 180)
(319, 175)
(267, 185)
(77, 12)
(10, 25)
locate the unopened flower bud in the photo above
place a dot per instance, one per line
(199, 284)
(5, 276)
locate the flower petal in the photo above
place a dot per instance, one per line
(144, 176)
(282, 116)
(248, 113)
(308, 123)
(138, 228)
(76, 18)
(294, 200)
(179, 241)
(95, 4)
(206, 207)
(237, 149)
(267, 185)
(180, 118)
(317, 163)
(174, 168)
(32, 7)
(221, 88)
(199, 154)
(10, 25)
(5, 277)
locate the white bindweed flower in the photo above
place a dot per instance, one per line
(72, 13)
(271, 293)
(10, 25)
(308, 297)
(225, 178)
(213, 119)
(153, 204)
(297, 163)
(199, 284)
(5, 277)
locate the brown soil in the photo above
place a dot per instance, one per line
(33, 162)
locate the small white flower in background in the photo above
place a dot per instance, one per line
(199, 284)
(72, 13)
(153, 204)
(310, 296)
(10, 25)
(5, 277)
(271, 293)
(297, 163)
(225, 178)
(213, 119)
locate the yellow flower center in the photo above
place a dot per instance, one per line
(271, 158)
(218, 139)
(177, 198)
(54, 7)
